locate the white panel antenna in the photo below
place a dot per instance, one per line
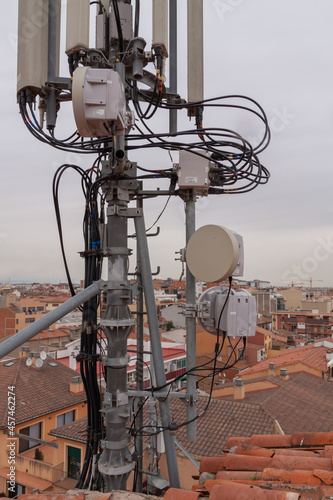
(77, 27)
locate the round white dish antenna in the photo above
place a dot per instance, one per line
(28, 362)
(43, 355)
(212, 253)
(39, 363)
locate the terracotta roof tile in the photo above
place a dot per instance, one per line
(241, 475)
(297, 453)
(246, 462)
(312, 439)
(233, 491)
(248, 449)
(301, 463)
(269, 441)
(51, 496)
(173, 494)
(291, 476)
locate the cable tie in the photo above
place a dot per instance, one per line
(173, 426)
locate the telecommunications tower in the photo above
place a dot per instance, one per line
(116, 85)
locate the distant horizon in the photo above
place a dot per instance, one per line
(77, 283)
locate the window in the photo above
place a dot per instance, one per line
(17, 321)
(19, 489)
(10, 363)
(181, 363)
(34, 431)
(29, 320)
(55, 305)
(65, 418)
(73, 462)
(24, 309)
(40, 308)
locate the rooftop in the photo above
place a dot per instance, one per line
(276, 467)
(212, 430)
(312, 355)
(303, 403)
(31, 403)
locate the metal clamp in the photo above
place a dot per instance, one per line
(121, 323)
(203, 309)
(190, 310)
(124, 211)
(116, 251)
(114, 445)
(118, 399)
(191, 399)
(110, 470)
(115, 362)
(116, 285)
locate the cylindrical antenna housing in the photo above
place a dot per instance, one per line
(32, 54)
(195, 67)
(77, 30)
(160, 25)
(32, 44)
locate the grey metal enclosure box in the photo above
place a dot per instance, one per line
(193, 171)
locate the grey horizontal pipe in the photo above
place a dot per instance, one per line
(157, 394)
(42, 323)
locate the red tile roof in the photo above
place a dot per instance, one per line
(303, 403)
(301, 467)
(36, 390)
(26, 479)
(310, 355)
(212, 430)
(297, 466)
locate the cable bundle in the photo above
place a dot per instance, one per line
(88, 356)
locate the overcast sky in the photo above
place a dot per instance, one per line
(275, 51)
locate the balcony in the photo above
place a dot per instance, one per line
(291, 321)
(320, 322)
(42, 469)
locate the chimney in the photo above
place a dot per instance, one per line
(284, 374)
(24, 352)
(239, 390)
(76, 385)
(271, 368)
(329, 355)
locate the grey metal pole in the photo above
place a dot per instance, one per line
(115, 463)
(139, 362)
(49, 318)
(173, 60)
(191, 353)
(156, 347)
